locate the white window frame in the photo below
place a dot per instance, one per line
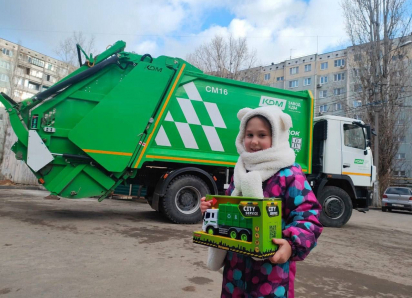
(339, 62)
(307, 81)
(400, 156)
(339, 77)
(293, 85)
(323, 80)
(4, 64)
(324, 65)
(341, 91)
(279, 79)
(323, 108)
(4, 77)
(308, 67)
(338, 106)
(323, 93)
(294, 70)
(357, 103)
(267, 76)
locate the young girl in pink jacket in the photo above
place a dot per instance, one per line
(267, 168)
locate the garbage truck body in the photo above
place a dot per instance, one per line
(162, 123)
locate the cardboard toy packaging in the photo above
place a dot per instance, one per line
(242, 224)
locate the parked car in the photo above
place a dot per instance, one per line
(397, 198)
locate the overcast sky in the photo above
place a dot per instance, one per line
(275, 28)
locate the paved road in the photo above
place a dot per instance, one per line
(82, 248)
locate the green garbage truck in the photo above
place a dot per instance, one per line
(164, 124)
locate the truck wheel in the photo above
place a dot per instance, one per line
(233, 234)
(244, 236)
(336, 207)
(181, 204)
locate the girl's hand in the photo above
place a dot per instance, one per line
(205, 205)
(283, 253)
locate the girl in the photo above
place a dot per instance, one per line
(267, 168)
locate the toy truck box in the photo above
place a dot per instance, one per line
(242, 225)
(125, 118)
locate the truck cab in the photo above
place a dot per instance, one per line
(210, 221)
(343, 171)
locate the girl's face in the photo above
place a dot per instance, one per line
(258, 135)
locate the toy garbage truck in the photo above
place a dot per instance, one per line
(164, 124)
(241, 224)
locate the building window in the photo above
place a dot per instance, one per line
(338, 77)
(399, 173)
(323, 93)
(267, 77)
(338, 106)
(34, 86)
(338, 91)
(35, 61)
(294, 70)
(307, 82)
(356, 72)
(7, 52)
(324, 65)
(4, 77)
(324, 80)
(279, 79)
(357, 57)
(339, 62)
(308, 67)
(4, 64)
(323, 108)
(357, 103)
(293, 84)
(36, 73)
(50, 66)
(400, 156)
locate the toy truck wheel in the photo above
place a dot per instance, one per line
(244, 236)
(210, 230)
(233, 234)
(336, 207)
(181, 204)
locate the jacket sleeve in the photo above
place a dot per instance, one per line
(301, 214)
(229, 191)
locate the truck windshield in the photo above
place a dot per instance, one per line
(354, 136)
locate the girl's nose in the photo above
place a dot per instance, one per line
(254, 140)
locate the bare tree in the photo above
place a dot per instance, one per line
(67, 50)
(381, 69)
(225, 58)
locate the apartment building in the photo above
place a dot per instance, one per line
(332, 79)
(24, 72)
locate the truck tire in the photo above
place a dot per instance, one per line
(181, 204)
(336, 207)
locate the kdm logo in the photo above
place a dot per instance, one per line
(271, 101)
